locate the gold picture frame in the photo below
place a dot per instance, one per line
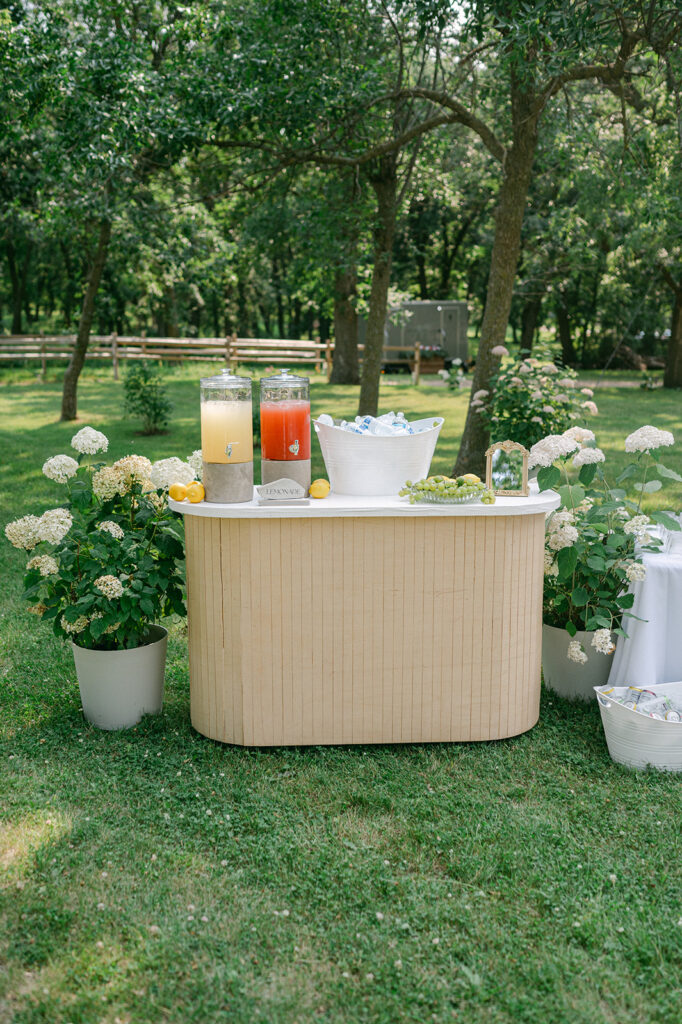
(507, 448)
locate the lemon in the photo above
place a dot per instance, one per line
(178, 492)
(319, 489)
(470, 478)
(195, 492)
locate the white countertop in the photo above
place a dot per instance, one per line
(345, 505)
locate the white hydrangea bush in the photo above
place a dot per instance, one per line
(595, 540)
(107, 562)
(530, 398)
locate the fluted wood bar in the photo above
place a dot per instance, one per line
(365, 620)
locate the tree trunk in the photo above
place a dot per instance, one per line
(384, 184)
(568, 354)
(672, 377)
(503, 263)
(346, 369)
(69, 392)
(529, 322)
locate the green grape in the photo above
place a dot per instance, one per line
(443, 489)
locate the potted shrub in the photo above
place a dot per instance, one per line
(593, 546)
(105, 567)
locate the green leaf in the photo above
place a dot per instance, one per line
(625, 600)
(579, 597)
(596, 621)
(670, 474)
(665, 519)
(567, 559)
(97, 627)
(630, 470)
(571, 496)
(586, 474)
(618, 493)
(650, 487)
(548, 478)
(571, 628)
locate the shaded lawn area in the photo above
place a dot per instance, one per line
(153, 875)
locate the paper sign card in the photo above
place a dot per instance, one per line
(279, 490)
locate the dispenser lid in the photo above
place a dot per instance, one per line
(225, 379)
(284, 379)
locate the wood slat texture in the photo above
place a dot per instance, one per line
(364, 630)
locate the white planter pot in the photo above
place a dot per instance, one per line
(118, 687)
(566, 677)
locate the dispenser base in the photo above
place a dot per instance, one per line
(229, 482)
(295, 469)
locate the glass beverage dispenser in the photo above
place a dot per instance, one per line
(285, 428)
(227, 438)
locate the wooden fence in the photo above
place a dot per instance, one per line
(231, 350)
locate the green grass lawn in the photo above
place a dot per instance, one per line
(154, 875)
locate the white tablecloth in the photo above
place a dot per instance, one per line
(652, 652)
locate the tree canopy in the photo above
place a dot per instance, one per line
(270, 167)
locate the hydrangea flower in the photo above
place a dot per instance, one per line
(580, 434)
(45, 564)
(647, 438)
(170, 471)
(133, 468)
(112, 528)
(551, 567)
(637, 526)
(74, 627)
(588, 457)
(196, 459)
(60, 468)
(635, 572)
(546, 451)
(89, 441)
(110, 586)
(480, 394)
(23, 533)
(107, 482)
(563, 538)
(589, 407)
(603, 642)
(54, 525)
(499, 350)
(576, 653)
